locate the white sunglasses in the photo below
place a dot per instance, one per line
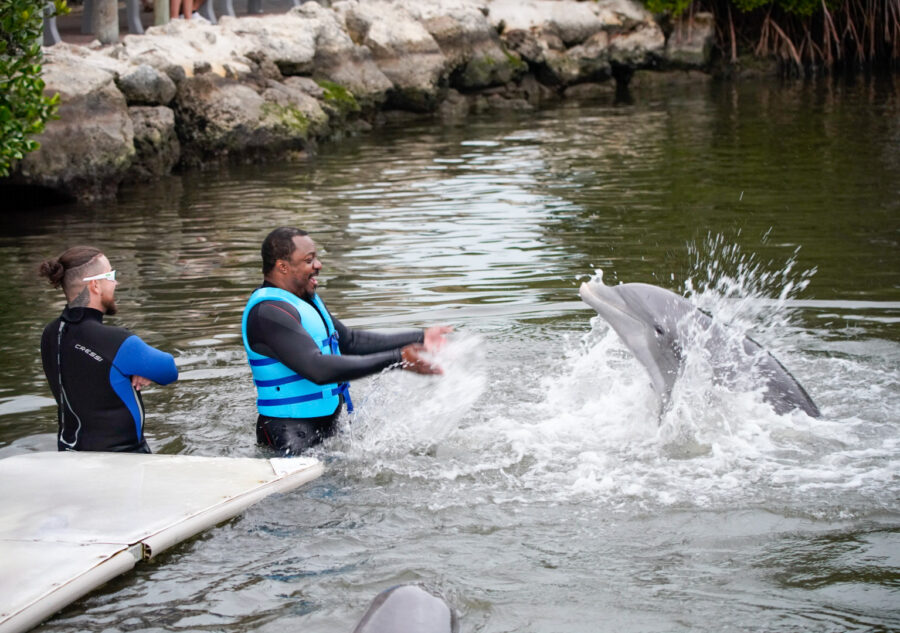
(111, 275)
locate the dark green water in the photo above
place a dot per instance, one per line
(533, 483)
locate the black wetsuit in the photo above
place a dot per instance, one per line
(274, 329)
(89, 367)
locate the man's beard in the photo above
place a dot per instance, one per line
(109, 307)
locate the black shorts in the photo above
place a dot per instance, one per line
(292, 436)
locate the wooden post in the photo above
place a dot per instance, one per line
(160, 12)
(106, 21)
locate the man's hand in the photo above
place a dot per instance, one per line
(139, 381)
(413, 361)
(435, 337)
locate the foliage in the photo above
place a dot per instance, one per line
(24, 109)
(672, 7)
(803, 35)
(791, 7)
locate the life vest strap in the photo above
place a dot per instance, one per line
(261, 362)
(341, 390)
(278, 381)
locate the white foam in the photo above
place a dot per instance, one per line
(541, 421)
(402, 412)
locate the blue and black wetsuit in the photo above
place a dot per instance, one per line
(89, 367)
(274, 329)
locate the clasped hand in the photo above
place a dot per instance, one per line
(413, 355)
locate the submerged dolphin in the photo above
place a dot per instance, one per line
(654, 322)
(408, 609)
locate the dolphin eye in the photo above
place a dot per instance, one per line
(659, 330)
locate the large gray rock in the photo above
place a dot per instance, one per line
(591, 58)
(403, 49)
(183, 48)
(288, 40)
(85, 153)
(145, 85)
(556, 65)
(155, 142)
(641, 48)
(566, 43)
(341, 61)
(620, 16)
(474, 52)
(222, 118)
(691, 42)
(296, 100)
(572, 22)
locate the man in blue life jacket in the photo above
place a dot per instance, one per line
(301, 356)
(96, 371)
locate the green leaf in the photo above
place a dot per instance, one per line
(24, 109)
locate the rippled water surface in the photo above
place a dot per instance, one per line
(534, 484)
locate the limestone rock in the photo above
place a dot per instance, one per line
(82, 56)
(295, 100)
(554, 63)
(468, 41)
(530, 45)
(87, 151)
(307, 85)
(640, 48)
(622, 15)
(591, 91)
(287, 39)
(566, 43)
(403, 49)
(341, 61)
(145, 85)
(591, 58)
(691, 42)
(573, 22)
(221, 118)
(155, 142)
(181, 47)
(455, 107)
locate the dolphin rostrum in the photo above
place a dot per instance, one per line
(655, 324)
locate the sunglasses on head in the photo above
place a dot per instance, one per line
(111, 275)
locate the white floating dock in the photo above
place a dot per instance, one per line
(72, 521)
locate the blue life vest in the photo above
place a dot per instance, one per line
(281, 392)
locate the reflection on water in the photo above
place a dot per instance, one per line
(533, 484)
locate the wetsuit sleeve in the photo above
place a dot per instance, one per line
(135, 357)
(363, 342)
(274, 330)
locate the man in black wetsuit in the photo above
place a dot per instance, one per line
(302, 357)
(96, 371)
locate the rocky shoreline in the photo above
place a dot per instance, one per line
(188, 93)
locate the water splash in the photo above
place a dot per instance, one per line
(403, 413)
(744, 292)
(562, 420)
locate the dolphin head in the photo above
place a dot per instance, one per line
(408, 609)
(648, 319)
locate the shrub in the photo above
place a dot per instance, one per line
(24, 109)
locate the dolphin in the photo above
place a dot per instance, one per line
(408, 609)
(654, 323)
